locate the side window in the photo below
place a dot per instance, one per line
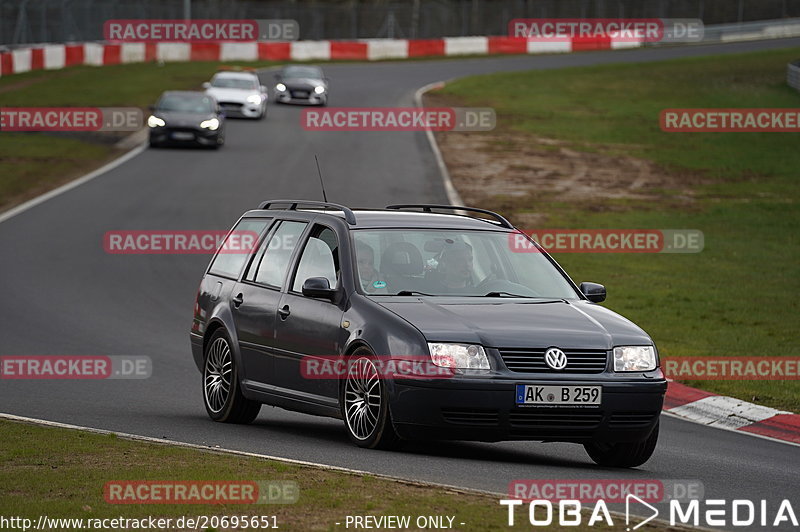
(237, 246)
(320, 258)
(275, 259)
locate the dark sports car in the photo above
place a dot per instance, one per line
(301, 84)
(186, 117)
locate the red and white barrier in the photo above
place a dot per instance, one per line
(731, 414)
(55, 56)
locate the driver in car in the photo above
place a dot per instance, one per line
(454, 269)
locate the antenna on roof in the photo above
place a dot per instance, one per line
(322, 183)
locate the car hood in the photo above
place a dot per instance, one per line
(303, 83)
(231, 95)
(522, 323)
(178, 119)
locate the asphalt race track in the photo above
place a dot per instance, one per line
(62, 294)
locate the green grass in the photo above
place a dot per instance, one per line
(32, 163)
(61, 473)
(736, 297)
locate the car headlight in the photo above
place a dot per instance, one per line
(254, 99)
(319, 89)
(211, 123)
(280, 87)
(459, 356)
(635, 358)
(154, 121)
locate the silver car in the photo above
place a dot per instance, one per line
(238, 93)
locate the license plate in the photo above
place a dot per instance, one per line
(179, 135)
(534, 394)
(301, 94)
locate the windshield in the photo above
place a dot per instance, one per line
(302, 72)
(453, 262)
(186, 104)
(234, 83)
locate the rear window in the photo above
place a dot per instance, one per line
(233, 254)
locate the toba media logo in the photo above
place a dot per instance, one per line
(708, 513)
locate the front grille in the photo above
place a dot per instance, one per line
(231, 105)
(300, 93)
(532, 360)
(574, 419)
(621, 420)
(464, 416)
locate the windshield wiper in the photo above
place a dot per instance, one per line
(507, 294)
(412, 293)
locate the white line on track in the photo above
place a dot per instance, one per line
(452, 194)
(72, 184)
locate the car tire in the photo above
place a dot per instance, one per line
(366, 413)
(628, 454)
(222, 394)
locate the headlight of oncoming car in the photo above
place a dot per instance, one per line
(319, 89)
(280, 87)
(255, 99)
(634, 358)
(155, 121)
(211, 123)
(459, 356)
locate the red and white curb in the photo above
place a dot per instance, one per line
(731, 414)
(56, 56)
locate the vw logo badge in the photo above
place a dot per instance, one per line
(555, 358)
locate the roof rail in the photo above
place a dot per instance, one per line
(428, 208)
(292, 205)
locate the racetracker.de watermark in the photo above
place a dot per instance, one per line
(608, 490)
(607, 241)
(67, 367)
(178, 242)
(200, 30)
(399, 119)
(396, 367)
(732, 368)
(639, 30)
(755, 120)
(201, 492)
(71, 119)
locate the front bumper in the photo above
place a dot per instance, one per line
(304, 98)
(243, 109)
(183, 136)
(485, 410)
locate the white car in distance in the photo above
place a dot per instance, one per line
(238, 93)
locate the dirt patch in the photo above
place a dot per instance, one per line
(488, 166)
(22, 84)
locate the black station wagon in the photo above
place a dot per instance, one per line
(419, 322)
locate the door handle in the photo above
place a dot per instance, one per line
(284, 312)
(238, 300)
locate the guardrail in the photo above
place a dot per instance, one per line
(793, 74)
(753, 31)
(15, 60)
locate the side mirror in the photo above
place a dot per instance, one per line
(318, 287)
(152, 108)
(594, 292)
(277, 76)
(206, 85)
